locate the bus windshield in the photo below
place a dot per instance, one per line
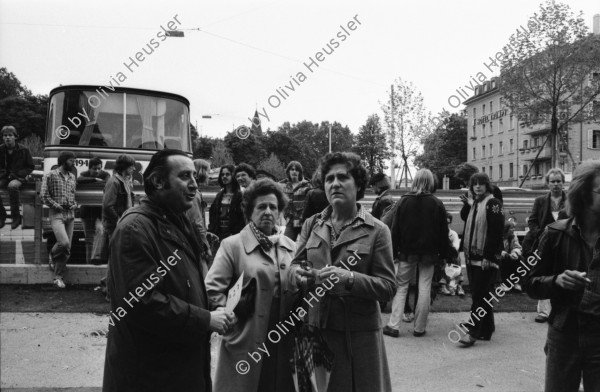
(121, 119)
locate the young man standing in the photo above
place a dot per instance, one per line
(15, 165)
(58, 193)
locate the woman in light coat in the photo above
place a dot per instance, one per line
(252, 357)
(352, 269)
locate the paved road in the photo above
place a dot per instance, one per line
(46, 351)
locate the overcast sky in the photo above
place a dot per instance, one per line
(242, 52)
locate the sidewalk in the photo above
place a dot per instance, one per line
(44, 351)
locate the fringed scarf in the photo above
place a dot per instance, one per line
(473, 246)
(266, 242)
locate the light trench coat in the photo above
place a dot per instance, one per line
(242, 252)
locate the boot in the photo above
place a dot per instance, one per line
(16, 222)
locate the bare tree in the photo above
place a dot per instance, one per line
(407, 124)
(550, 75)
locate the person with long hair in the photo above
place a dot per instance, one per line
(566, 270)
(316, 200)
(263, 255)
(295, 188)
(225, 214)
(482, 246)
(420, 239)
(344, 260)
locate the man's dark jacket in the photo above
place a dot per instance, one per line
(22, 163)
(382, 202)
(541, 215)
(560, 249)
(162, 342)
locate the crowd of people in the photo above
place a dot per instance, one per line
(296, 268)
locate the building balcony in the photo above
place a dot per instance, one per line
(545, 154)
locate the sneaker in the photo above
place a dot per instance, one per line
(518, 288)
(419, 334)
(444, 290)
(389, 331)
(58, 282)
(16, 222)
(460, 291)
(408, 317)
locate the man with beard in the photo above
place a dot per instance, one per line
(58, 193)
(15, 165)
(160, 325)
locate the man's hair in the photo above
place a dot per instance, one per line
(481, 179)
(202, 167)
(580, 194)
(262, 187)
(244, 167)
(123, 163)
(380, 180)
(294, 165)
(234, 184)
(9, 129)
(95, 161)
(159, 169)
(354, 166)
(554, 171)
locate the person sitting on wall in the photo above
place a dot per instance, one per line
(15, 165)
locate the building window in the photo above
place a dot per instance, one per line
(474, 115)
(483, 110)
(594, 139)
(491, 150)
(511, 122)
(491, 106)
(500, 171)
(511, 146)
(536, 141)
(491, 128)
(482, 151)
(511, 173)
(485, 87)
(483, 130)
(500, 125)
(474, 154)
(500, 148)
(493, 84)
(474, 131)
(483, 169)
(525, 168)
(525, 144)
(491, 172)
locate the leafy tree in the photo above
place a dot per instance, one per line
(249, 150)
(204, 147)
(273, 166)
(372, 146)
(407, 124)
(221, 156)
(445, 147)
(464, 171)
(341, 138)
(10, 85)
(548, 75)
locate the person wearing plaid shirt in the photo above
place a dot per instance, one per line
(58, 193)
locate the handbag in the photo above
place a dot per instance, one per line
(246, 306)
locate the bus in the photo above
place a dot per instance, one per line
(106, 122)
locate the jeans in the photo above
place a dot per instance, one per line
(544, 307)
(62, 225)
(405, 271)
(569, 355)
(91, 218)
(482, 287)
(13, 194)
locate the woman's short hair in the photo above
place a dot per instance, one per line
(234, 184)
(294, 165)
(481, 179)
(244, 167)
(423, 182)
(123, 163)
(262, 187)
(579, 196)
(354, 165)
(9, 129)
(555, 171)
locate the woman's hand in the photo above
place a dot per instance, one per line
(467, 200)
(221, 321)
(305, 278)
(342, 274)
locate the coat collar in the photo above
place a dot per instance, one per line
(362, 222)
(250, 242)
